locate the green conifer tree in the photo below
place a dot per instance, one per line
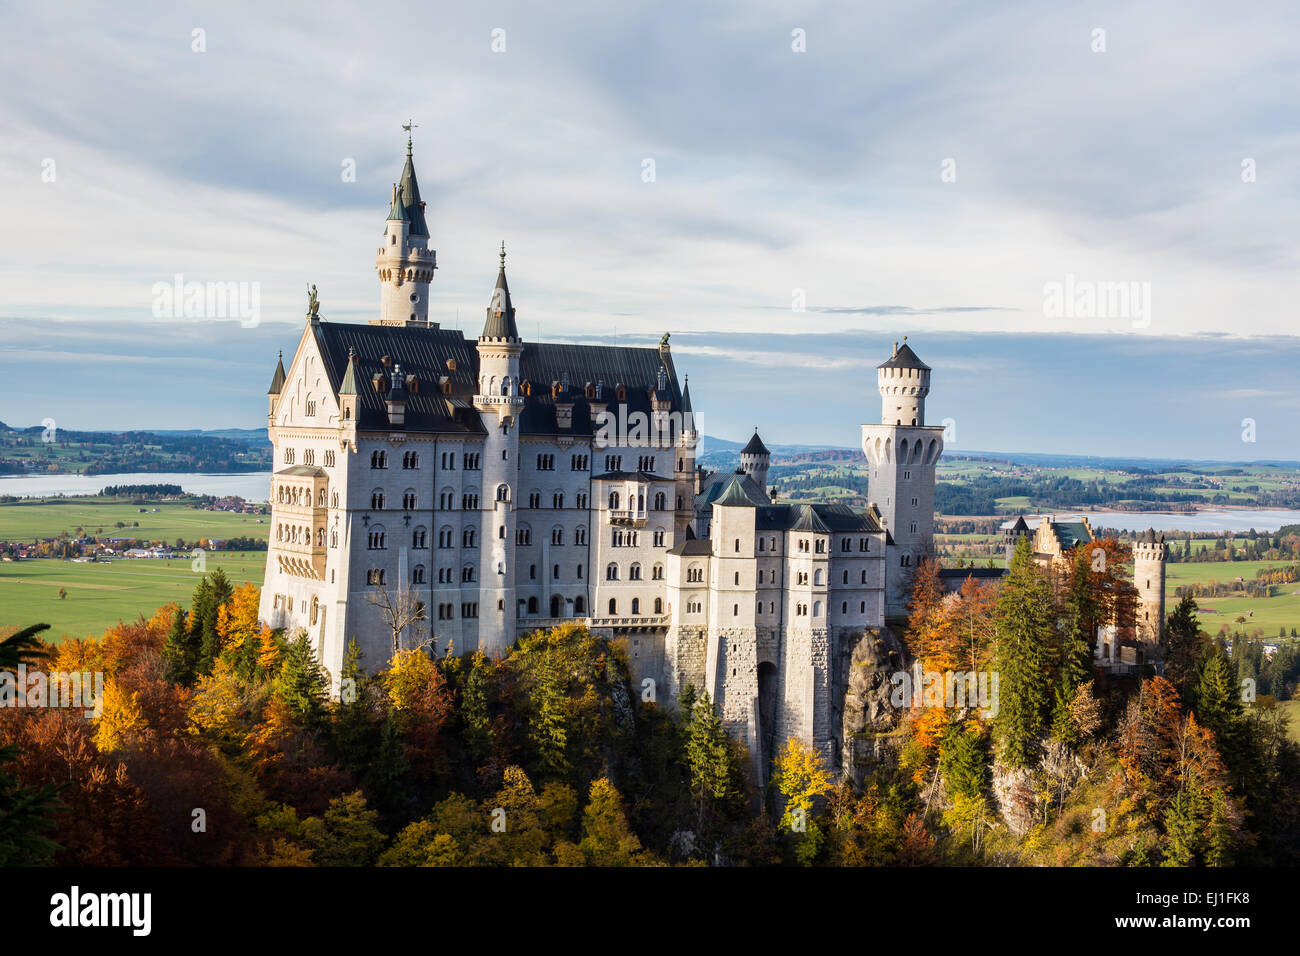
(1024, 630)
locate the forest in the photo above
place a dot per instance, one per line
(217, 742)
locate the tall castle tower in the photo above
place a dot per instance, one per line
(1150, 552)
(499, 402)
(902, 452)
(405, 263)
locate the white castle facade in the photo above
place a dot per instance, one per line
(434, 490)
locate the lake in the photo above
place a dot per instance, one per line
(249, 485)
(254, 486)
(1198, 521)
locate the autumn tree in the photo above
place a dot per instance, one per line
(802, 780)
(607, 839)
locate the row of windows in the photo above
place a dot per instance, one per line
(635, 607)
(301, 497)
(447, 612)
(300, 534)
(638, 503)
(633, 572)
(308, 457)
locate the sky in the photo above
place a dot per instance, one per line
(787, 188)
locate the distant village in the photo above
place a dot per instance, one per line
(86, 548)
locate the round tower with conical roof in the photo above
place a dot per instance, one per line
(902, 455)
(754, 460)
(404, 263)
(903, 381)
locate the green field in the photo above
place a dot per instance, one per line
(99, 595)
(33, 518)
(1270, 614)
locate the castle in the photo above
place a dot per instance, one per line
(1053, 538)
(433, 490)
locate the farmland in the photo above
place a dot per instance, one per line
(28, 519)
(101, 594)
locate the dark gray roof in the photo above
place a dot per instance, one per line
(821, 518)
(692, 546)
(425, 352)
(755, 446)
(642, 476)
(715, 484)
(904, 357)
(734, 495)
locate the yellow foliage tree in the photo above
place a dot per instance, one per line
(802, 779)
(121, 715)
(407, 679)
(216, 704)
(237, 620)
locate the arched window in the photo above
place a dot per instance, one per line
(532, 605)
(557, 605)
(503, 492)
(634, 572)
(613, 606)
(613, 501)
(660, 501)
(417, 575)
(659, 605)
(611, 572)
(377, 500)
(419, 538)
(579, 605)
(636, 605)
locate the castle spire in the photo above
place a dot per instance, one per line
(409, 190)
(501, 311)
(277, 380)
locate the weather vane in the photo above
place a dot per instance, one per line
(408, 126)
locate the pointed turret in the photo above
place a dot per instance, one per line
(409, 190)
(501, 311)
(349, 385)
(396, 211)
(277, 380)
(273, 393)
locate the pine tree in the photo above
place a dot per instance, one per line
(302, 683)
(1183, 645)
(180, 652)
(1081, 613)
(1024, 627)
(708, 756)
(548, 730)
(475, 713)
